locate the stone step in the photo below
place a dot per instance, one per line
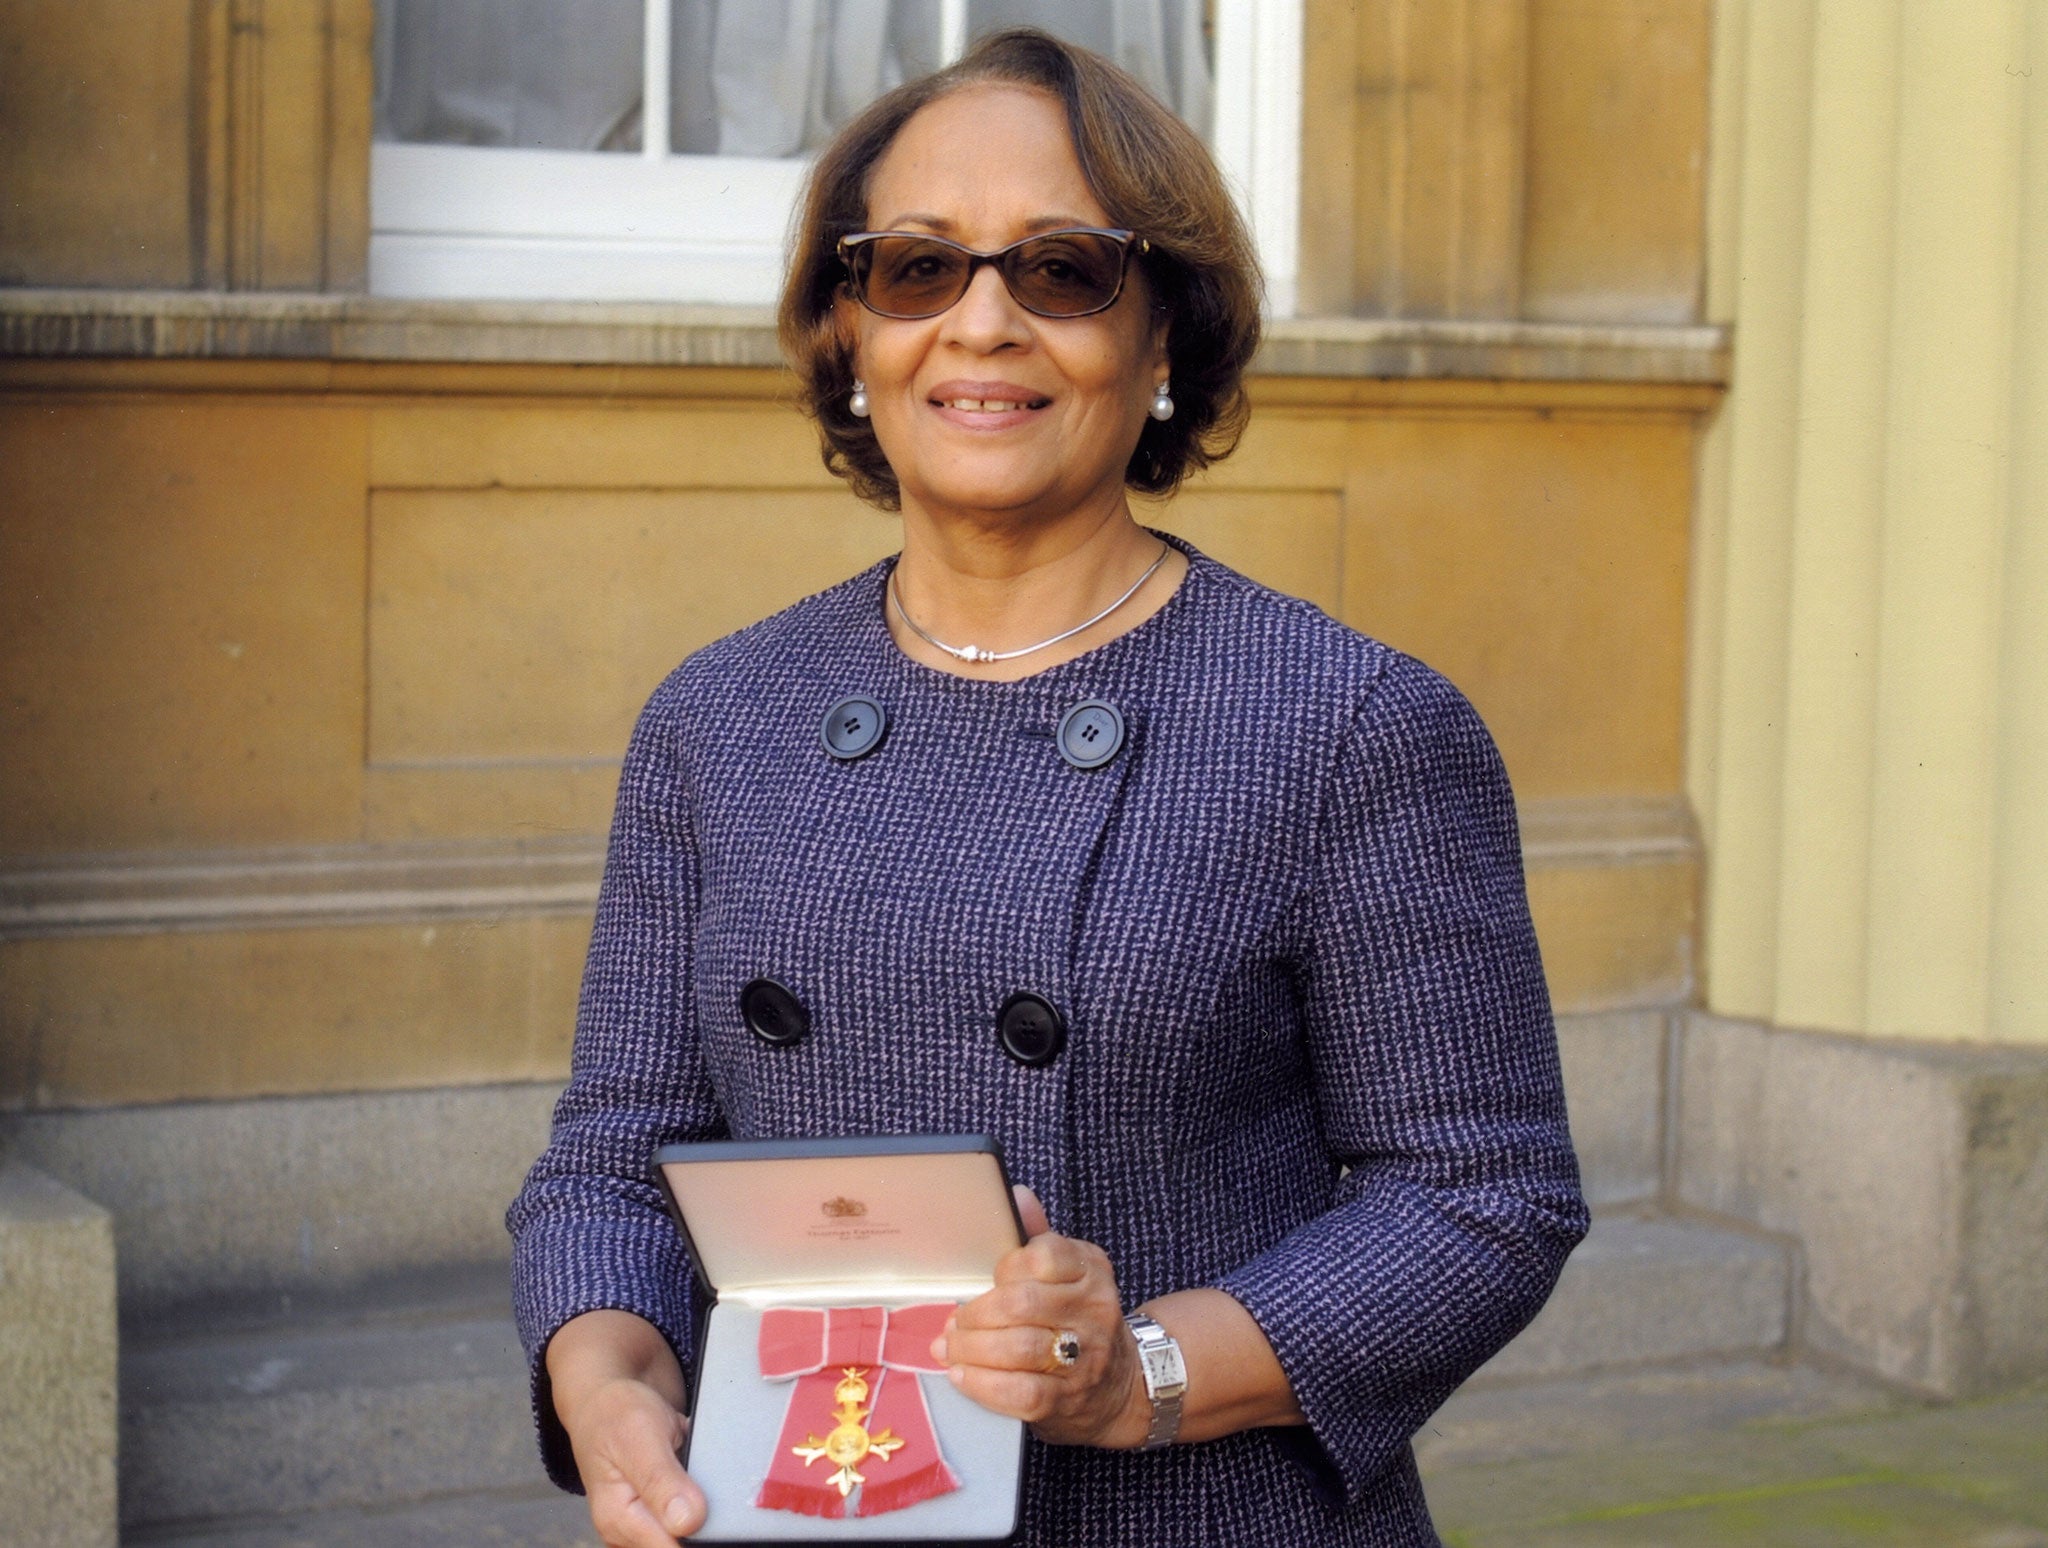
(1649, 1289)
(361, 1412)
(540, 1517)
(414, 1389)
(1468, 1452)
(1492, 1424)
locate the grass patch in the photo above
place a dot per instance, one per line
(1754, 1494)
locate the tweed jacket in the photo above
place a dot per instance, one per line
(1308, 1060)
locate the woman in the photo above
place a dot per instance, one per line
(1207, 907)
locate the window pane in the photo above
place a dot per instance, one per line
(780, 77)
(774, 78)
(539, 73)
(1167, 44)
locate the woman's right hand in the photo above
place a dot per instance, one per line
(619, 1393)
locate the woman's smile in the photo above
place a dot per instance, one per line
(987, 406)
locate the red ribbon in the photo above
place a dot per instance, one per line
(817, 1348)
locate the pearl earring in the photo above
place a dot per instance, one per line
(857, 403)
(1162, 403)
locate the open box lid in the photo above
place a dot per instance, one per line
(828, 1220)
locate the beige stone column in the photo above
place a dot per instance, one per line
(2019, 897)
(1868, 735)
(1868, 752)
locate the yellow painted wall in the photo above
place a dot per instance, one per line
(1869, 743)
(267, 619)
(1617, 160)
(1505, 158)
(75, 210)
(169, 143)
(240, 616)
(184, 628)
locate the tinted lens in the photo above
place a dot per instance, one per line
(1065, 273)
(909, 276)
(1060, 274)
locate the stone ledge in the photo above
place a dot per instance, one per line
(199, 325)
(1497, 351)
(117, 894)
(195, 325)
(355, 884)
(1608, 830)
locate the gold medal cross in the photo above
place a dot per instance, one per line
(849, 1443)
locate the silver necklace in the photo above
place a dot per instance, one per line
(976, 653)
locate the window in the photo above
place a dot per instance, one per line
(653, 149)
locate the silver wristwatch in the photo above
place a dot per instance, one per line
(1166, 1377)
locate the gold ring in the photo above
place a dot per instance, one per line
(1066, 1349)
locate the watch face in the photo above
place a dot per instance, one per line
(1164, 1370)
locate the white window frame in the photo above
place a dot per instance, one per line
(486, 222)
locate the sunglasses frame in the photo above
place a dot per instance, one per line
(1128, 243)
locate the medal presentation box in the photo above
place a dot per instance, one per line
(819, 1414)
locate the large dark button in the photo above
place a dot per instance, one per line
(1030, 1030)
(1091, 733)
(853, 727)
(773, 1014)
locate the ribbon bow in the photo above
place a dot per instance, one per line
(850, 1412)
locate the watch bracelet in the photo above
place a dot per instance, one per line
(1166, 1412)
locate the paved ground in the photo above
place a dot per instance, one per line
(1755, 1455)
(1751, 1455)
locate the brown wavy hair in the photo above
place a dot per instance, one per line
(1148, 171)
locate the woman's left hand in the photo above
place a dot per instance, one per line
(999, 1349)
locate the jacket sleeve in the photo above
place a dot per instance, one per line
(1436, 1082)
(589, 1231)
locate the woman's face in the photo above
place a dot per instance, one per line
(988, 408)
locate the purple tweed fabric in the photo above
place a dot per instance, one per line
(1286, 927)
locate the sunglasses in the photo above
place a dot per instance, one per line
(1071, 273)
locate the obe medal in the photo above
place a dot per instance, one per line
(849, 1444)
